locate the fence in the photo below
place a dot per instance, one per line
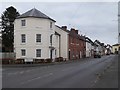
(6, 58)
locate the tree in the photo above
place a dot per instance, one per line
(8, 18)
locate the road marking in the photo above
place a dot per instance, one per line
(28, 70)
(37, 78)
(21, 72)
(13, 73)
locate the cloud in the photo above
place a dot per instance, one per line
(59, 1)
(95, 19)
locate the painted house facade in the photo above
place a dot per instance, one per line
(64, 35)
(35, 36)
(100, 47)
(115, 48)
(89, 47)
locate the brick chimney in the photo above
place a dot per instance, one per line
(73, 30)
(64, 27)
(76, 31)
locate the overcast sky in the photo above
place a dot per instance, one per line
(97, 20)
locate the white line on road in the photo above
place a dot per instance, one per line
(21, 72)
(13, 73)
(37, 78)
(28, 70)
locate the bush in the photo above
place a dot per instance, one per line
(5, 61)
(19, 61)
(48, 60)
(59, 59)
(39, 60)
(8, 61)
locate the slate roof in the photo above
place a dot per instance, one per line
(62, 29)
(73, 34)
(35, 13)
(116, 45)
(89, 40)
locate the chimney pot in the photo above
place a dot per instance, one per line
(64, 27)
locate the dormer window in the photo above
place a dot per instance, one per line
(23, 22)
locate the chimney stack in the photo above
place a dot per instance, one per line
(73, 30)
(76, 31)
(64, 27)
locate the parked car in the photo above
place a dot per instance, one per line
(97, 54)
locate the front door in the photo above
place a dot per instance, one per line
(69, 55)
(51, 53)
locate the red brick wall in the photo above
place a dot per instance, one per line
(75, 46)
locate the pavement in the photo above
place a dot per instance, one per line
(109, 77)
(42, 64)
(77, 74)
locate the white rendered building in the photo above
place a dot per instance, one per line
(35, 36)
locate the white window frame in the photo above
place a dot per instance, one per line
(38, 38)
(23, 52)
(23, 22)
(23, 38)
(38, 52)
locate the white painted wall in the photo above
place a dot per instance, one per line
(34, 26)
(115, 47)
(88, 49)
(63, 43)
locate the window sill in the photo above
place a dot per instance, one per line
(38, 43)
(23, 44)
(23, 56)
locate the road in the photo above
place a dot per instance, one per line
(77, 74)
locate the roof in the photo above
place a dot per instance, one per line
(78, 36)
(89, 40)
(34, 13)
(62, 29)
(116, 45)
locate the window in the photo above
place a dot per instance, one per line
(23, 38)
(23, 52)
(23, 23)
(51, 39)
(38, 38)
(55, 52)
(38, 52)
(50, 24)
